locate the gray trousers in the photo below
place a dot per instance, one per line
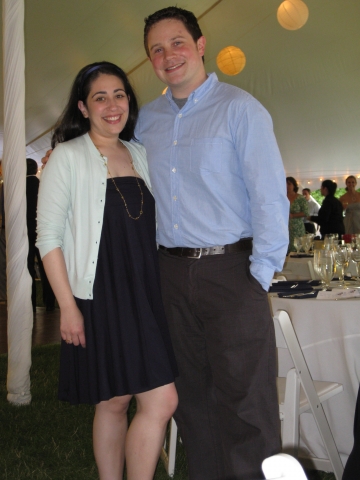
(224, 342)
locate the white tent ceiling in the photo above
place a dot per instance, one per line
(308, 79)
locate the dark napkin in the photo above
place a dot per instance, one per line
(300, 295)
(302, 255)
(293, 286)
(346, 277)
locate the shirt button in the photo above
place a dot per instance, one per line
(175, 197)
(180, 115)
(175, 142)
(176, 226)
(173, 170)
(196, 100)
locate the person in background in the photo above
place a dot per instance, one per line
(313, 208)
(330, 215)
(298, 211)
(222, 232)
(96, 235)
(32, 189)
(351, 204)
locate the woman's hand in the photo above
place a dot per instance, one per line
(72, 325)
(71, 319)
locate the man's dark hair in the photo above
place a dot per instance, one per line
(31, 166)
(72, 123)
(307, 189)
(187, 18)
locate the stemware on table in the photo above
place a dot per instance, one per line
(342, 253)
(327, 266)
(307, 242)
(297, 244)
(355, 257)
(316, 262)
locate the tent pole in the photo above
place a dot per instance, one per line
(20, 314)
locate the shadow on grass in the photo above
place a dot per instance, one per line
(49, 439)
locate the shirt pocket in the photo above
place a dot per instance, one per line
(206, 155)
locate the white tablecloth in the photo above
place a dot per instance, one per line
(329, 333)
(298, 268)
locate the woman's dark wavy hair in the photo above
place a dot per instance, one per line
(72, 123)
(294, 182)
(330, 185)
(175, 13)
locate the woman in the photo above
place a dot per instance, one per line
(351, 204)
(96, 235)
(298, 210)
(330, 216)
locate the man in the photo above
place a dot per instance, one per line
(222, 215)
(314, 207)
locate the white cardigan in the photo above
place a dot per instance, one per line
(71, 206)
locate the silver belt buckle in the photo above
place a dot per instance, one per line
(199, 255)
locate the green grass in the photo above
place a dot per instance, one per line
(49, 439)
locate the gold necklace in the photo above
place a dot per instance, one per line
(117, 189)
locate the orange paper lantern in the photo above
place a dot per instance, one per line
(231, 60)
(292, 14)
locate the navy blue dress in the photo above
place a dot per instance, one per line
(128, 347)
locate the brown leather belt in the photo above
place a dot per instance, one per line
(243, 245)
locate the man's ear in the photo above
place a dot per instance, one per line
(201, 43)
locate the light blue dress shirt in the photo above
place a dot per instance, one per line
(217, 174)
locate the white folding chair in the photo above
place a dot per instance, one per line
(168, 452)
(282, 467)
(299, 393)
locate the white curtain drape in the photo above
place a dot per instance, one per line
(20, 315)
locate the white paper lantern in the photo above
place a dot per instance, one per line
(292, 14)
(231, 60)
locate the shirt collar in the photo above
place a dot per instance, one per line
(198, 93)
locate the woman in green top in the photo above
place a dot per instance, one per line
(298, 210)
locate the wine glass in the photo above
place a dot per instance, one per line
(297, 244)
(355, 240)
(342, 255)
(306, 241)
(316, 261)
(355, 257)
(329, 240)
(327, 266)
